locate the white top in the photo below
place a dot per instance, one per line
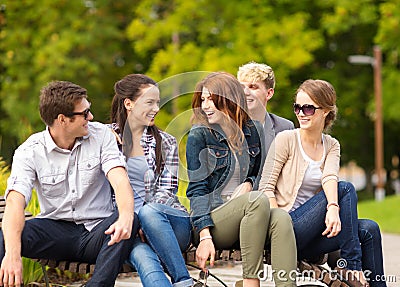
(312, 177)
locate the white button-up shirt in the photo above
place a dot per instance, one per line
(71, 184)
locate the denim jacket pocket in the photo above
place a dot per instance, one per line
(253, 153)
(218, 157)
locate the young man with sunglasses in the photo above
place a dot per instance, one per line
(258, 81)
(70, 165)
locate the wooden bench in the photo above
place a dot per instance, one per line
(313, 270)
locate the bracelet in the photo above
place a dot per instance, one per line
(205, 237)
(334, 204)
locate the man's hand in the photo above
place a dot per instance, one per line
(11, 271)
(12, 226)
(120, 230)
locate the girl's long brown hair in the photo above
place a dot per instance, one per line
(228, 97)
(130, 87)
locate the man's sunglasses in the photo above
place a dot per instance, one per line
(85, 114)
(308, 110)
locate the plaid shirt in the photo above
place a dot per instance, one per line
(161, 188)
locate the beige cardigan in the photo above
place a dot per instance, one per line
(284, 168)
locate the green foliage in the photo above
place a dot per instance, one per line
(348, 14)
(212, 35)
(389, 33)
(78, 41)
(4, 173)
(32, 271)
(95, 43)
(385, 213)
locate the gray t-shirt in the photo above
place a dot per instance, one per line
(139, 175)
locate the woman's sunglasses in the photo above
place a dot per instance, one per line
(308, 110)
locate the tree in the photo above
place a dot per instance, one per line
(354, 27)
(45, 40)
(299, 39)
(180, 36)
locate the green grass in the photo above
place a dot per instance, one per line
(386, 213)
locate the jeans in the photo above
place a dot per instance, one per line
(64, 240)
(371, 245)
(309, 223)
(168, 232)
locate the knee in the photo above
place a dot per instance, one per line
(281, 219)
(141, 253)
(148, 213)
(346, 188)
(260, 200)
(368, 229)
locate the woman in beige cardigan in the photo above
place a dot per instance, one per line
(300, 175)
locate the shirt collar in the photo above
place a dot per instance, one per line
(49, 142)
(218, 132)
(51, 145)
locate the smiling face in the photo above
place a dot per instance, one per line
(312, 122)
(78, 124)
(214, 116)
(257, 95)
(143, 111)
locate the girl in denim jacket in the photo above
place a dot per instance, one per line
(223, 156)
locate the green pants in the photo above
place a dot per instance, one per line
(248, 220)
(282, 241)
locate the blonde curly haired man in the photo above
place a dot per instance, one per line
(258, 81)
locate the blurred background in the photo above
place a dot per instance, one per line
(95, 43)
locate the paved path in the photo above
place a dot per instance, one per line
(230, 272)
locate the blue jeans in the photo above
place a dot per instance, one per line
(168, 232)
(371, 245)
(309, 223)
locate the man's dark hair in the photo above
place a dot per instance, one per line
(59, 97)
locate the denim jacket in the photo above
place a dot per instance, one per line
(211, 163)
